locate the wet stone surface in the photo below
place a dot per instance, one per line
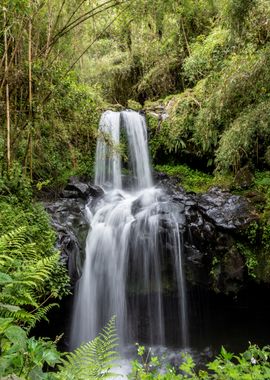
(70, 222)
(214, 223)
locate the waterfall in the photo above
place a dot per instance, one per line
(133, 236)
(135, 127)
(108, 165)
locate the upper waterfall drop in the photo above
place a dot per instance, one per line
(134, 241)
(108, 158)
(108, 162)
(135, 127)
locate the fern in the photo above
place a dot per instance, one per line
(25, 278)
(92, 360)
(40, 314)
(26, 285)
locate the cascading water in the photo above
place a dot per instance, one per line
(134, 241)
(108, 165)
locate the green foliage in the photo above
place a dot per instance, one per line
(207, 54)
(24, 356)
(31, 271)
(141, 56)
(223, 118)
(251, 259)
(235, 13)
(23, 279)
(57, 138)
(195, 180)
(240, 144)
(33, 217)
(65, 126)
(262, 184)
(32, 358)
(16, 183)
(93, 360)
(253, 364)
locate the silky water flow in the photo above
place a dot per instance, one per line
(133, 235)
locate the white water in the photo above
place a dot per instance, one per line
(108, 165)
(132, 237)
(135, 127)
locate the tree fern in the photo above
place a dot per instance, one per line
(93, 360)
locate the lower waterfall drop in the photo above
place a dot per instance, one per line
(134, 241)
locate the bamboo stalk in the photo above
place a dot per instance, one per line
(7, 92)
(30, 93)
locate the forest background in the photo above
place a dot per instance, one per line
(205, 63)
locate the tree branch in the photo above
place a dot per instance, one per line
(93, 12)
(88, 47)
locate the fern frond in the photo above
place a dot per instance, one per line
(21, 298)
(94, 359)
(25, 278)
(16, 313)
(45, 267)
(5, 260)
(13, 239)
(40, 313)
(9, 308)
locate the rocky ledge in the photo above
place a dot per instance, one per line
(213, 224)
(216, 225)
(70, 222)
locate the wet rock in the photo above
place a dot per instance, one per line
(213, 224)
(70, 223)
(78, 189)
(164, 208)
(193, 254)
(128, 181)
(224, 210)
(170, 184)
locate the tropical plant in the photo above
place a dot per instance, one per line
(26, 357)
(93, 360)
(253, 364)
(32, 358)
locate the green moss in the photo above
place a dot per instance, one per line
(195, 180)
(191, 180)
(251, 259)
(132, 104)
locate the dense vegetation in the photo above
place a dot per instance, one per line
(205, 61)
(200, 70)
(253, 364)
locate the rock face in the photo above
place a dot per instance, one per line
(212, 222)
(76, 189)
(215, 223)
(224, 210)
(70, 222)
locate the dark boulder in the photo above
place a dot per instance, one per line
(77, 189)
(226, 211)
(215, 222)
(71, 225)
